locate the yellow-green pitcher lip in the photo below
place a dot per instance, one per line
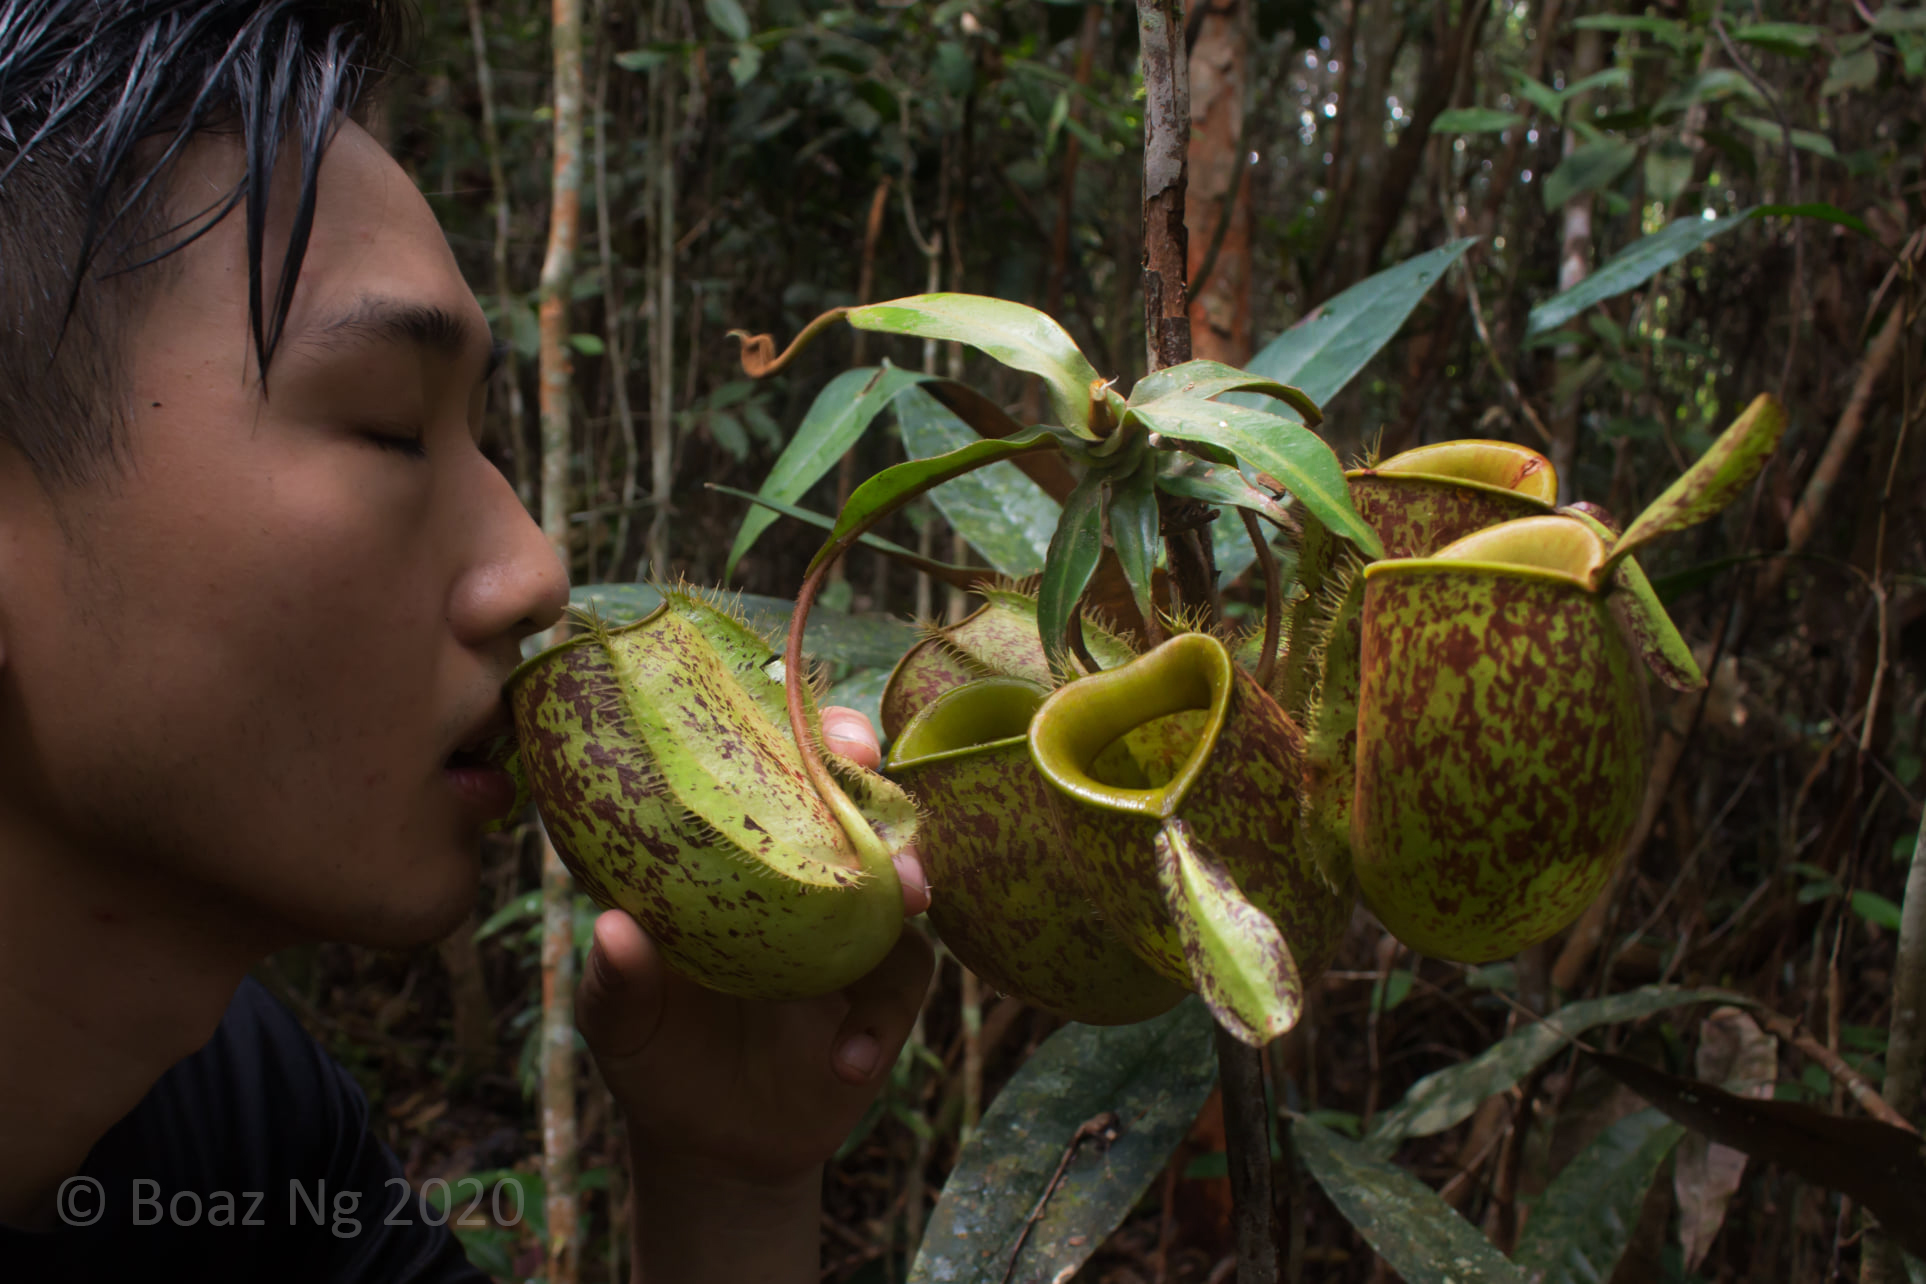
(990, 713)
(1083, 718)
(1536, 481)
(1550, 546)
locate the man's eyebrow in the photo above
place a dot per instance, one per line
(427, 326)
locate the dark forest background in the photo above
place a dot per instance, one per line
(751, 163)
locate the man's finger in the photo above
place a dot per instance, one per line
(916, 886)
(848, 733)
(882, 1007)
(619, 1003)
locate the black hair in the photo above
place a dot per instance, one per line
(97, 100)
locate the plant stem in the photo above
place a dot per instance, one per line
(1193, 574)
(558, 893)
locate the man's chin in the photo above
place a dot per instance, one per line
(423, 910)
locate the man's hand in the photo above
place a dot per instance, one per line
(734, 1104)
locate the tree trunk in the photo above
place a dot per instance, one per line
(558, 917)
(1167, 124)
(1574, 265)
(1218, 200)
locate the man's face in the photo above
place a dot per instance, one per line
(245, 665)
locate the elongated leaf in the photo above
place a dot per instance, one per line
(999, 511)
(1238, 960)
(1154, 1076)
(1072, 560)
(963, 577)
(1588, 168)
(1321, 353)
(1203, 380)
(1192, 478)
(1630, 268)
(1017, 335)
(895, 486)
(1132, 522)
(1474, 120)
(1797, 35)
(1879, 1165)
(1291, 455)
(1821, 211)
(1580, 1226)
(1412, 1229)
(838, 416)
(1442, 1100)
(1804, 139)
(862, 641)
(1713, 481)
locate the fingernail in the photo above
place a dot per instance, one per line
(859, 1055)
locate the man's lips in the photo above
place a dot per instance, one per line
(487, 788)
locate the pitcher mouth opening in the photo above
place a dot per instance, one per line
(1074, 733)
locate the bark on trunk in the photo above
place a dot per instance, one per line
(558, 919)
(1218, 201)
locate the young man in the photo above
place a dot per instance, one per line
(251, 630)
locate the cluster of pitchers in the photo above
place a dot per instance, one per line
(1456, 734)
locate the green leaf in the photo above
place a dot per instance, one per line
(945, 571)
(1821, 211)
(1797, 39)
(589, 345)
(1713, 481)
(1630, 268)
(1067, 568)
(1664, 30)
(527, 905)
(861, 641)
(1017, 335)
(1204, 380)
(1239, 962)
(895, 486)
(1893, 19)
(836, 419)
(1321, 353)
(1804, 139)
(1447, 1098)
(1003, 514)
(1475, 120)
(1286, 453)
(1191, 478)
(1715, 85)
(1668, 170)
(1540, 95)
(1856, 70)
(1580, 1226)
(1132, 521)
(1588, 168)
(729, 18)
(1610, 78)
(1875, 908)
(1153, 1076)
(1418, 1235)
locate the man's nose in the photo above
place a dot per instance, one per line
(517, 585)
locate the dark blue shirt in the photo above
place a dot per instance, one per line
(250, 1160)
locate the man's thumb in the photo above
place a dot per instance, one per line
(619, 1003)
